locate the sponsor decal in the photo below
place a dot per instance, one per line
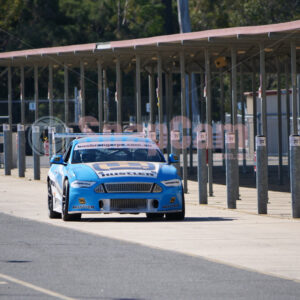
(125, 169)
(172, 200)
(83, 207)
(81, 200)
(115, 144)
(126, 173)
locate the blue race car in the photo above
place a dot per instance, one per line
(114, 174)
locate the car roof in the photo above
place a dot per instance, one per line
(112, 137)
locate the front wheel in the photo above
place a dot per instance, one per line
(178, 216)
(65, 205)
(51, 213)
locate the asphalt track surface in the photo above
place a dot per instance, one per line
(41, 261)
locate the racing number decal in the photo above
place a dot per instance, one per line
(123, 166)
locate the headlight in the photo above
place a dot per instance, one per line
(172, 183)
(82, 184)
(156, 189)
(99, 189)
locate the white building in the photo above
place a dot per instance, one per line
(272, 120)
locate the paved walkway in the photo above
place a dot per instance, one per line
(279, 204)
(239, 237)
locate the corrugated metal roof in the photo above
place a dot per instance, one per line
(51, 50)
(226, 32)
(289, 27)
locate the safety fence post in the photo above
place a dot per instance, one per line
(230, 158)
(7, 149)
(295, 174)
(261, 174)
(36, 152)
(175, 148)
(202, 166)
(21, 150)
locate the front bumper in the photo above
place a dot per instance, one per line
(86, 200)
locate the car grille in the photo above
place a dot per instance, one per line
(128, 187)
(126, 204)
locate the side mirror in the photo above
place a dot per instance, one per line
(57, 159)
(173, 159)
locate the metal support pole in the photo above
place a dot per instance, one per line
(230, 79)
(138, 94)
(230, 141)
(105, 100)
(261, 143)
(21, 150)
(254, 104)
(171, 103)
(202, 99)
(235, 161)
(295, 141)
(243, 119)
(76, 105)
(294, 88)
(263, 91)
(160, 102)
(36, 152)
(209, 121)
(171, 96)
(167, 91)
(279, 123)
(202, 166)
(222, 109)
(82, 90)
(100, 95)
(66, 93)
(151, 100)
(298, 94)
(119, 96)
(36, 92)
(51, 131)
(50, 90)
(175, 147)
(22, 95)
(184, 125)
(295, 174)
(7, 149)
(191, 121)
(9, 97)
(287, 99)
(261, 174)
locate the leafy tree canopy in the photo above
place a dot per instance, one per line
(43, 23)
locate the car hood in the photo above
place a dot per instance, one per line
(127, 169)
(82, 172)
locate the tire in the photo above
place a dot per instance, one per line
(154, 216)
(51, 213)
(65, 205)
(177, 216)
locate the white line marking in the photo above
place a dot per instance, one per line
(34, 287)
(3, 282)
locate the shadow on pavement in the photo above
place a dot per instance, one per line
(144, 220)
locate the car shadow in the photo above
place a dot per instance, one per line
(163, 220)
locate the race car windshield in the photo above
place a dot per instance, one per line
(102, 154)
